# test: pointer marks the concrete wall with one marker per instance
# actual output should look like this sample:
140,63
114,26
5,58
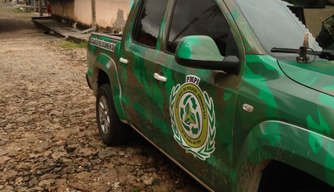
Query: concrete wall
112,13
63,9
83,11
109,13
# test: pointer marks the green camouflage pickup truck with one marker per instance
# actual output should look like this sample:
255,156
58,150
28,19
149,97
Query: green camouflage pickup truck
238,93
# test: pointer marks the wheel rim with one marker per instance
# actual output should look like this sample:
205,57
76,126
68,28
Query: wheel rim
104,115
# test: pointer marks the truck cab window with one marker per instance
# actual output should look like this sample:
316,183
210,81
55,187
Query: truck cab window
148,22
198,17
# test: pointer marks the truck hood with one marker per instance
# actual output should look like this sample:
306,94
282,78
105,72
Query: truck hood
318,75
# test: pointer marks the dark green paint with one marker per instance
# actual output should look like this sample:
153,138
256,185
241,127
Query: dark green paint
292,121
198,48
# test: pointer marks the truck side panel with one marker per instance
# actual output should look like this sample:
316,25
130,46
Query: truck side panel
102,58
285,142
304,141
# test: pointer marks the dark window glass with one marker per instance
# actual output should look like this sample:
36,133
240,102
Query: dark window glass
198,17
148,22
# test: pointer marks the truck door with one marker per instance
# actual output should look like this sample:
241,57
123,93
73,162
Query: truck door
196,107
137,61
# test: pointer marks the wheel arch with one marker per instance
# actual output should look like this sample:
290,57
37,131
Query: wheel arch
105,71
292,145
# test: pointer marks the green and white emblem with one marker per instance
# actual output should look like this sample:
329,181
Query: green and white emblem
193,118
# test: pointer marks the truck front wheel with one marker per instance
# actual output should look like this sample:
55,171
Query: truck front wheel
111,129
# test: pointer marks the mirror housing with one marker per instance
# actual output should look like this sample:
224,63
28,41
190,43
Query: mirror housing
199,51
325,37
310,4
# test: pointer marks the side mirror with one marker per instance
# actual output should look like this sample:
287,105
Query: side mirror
309,4
325,37
202,52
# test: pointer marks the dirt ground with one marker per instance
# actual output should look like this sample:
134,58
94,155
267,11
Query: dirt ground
48,133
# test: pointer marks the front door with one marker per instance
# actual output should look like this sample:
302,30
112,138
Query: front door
137,62
196,107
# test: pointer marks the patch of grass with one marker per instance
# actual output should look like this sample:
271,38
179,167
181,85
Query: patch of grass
135,190
17,11
9,10
103,145
155,181
73,45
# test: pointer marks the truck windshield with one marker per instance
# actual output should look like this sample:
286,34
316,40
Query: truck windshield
279,23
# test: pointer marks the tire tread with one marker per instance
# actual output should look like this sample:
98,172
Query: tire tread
118,130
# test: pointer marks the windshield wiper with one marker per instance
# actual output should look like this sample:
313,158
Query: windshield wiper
322,54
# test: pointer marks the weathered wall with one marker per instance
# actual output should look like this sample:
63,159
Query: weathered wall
83,11
109,13
112,13
63,8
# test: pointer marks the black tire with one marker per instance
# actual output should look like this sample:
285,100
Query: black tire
117,131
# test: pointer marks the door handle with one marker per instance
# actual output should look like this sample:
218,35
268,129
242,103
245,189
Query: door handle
123,60
159,77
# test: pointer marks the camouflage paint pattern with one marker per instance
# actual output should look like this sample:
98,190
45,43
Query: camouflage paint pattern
101,59
291,122
198,48
293,104
318,75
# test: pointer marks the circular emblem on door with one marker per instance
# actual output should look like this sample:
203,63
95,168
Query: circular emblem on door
193,118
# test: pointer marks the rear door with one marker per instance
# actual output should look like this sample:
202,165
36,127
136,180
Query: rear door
195,109
137,61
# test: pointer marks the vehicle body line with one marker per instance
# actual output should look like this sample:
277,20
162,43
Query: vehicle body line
118,81
237,35
162,151
94,67
299,127
107,35
294,80
168,21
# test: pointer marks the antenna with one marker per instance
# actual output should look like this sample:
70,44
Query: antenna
303,58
